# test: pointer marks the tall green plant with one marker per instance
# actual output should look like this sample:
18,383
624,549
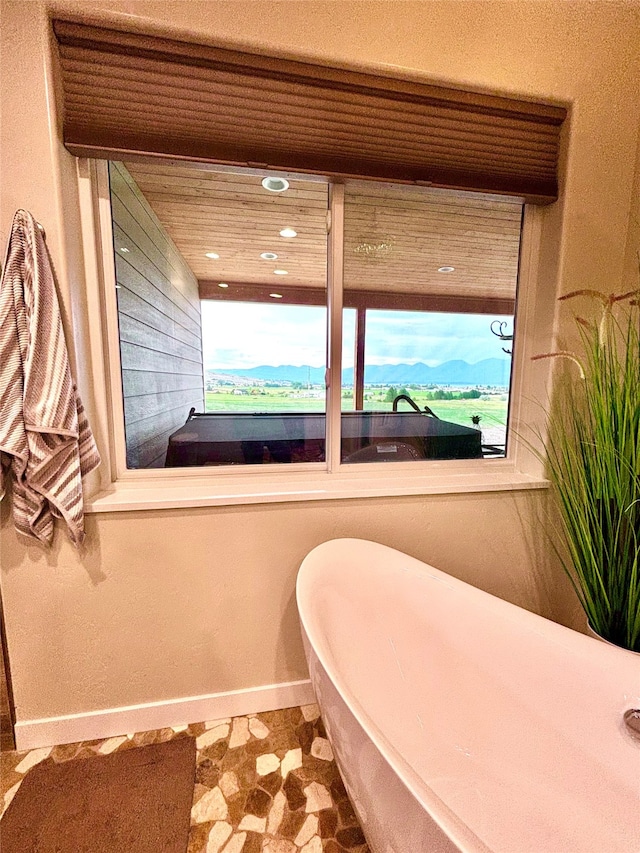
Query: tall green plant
592,451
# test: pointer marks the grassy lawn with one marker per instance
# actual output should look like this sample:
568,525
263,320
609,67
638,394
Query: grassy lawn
492,411
274,400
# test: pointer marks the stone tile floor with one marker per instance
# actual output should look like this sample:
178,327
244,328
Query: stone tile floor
265,783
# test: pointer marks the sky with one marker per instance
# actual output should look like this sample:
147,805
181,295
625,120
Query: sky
247,334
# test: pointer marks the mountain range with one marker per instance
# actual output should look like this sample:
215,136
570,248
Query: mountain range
489,371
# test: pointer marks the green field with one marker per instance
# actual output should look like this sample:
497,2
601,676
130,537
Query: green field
492,408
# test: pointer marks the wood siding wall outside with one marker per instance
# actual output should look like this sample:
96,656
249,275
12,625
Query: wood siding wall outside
159,322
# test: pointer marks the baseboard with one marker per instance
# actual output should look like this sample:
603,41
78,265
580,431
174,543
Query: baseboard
94,725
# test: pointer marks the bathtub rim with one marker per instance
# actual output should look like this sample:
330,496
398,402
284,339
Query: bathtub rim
448,821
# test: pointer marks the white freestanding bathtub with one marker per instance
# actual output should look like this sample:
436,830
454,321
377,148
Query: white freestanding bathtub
461,722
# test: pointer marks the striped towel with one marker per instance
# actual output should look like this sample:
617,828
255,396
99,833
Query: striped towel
46,444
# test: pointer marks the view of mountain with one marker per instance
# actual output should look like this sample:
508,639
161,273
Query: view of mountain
490,371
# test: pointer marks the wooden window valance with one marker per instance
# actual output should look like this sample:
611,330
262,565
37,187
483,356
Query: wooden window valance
127,94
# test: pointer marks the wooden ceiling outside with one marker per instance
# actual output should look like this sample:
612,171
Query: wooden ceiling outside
234,216
396,237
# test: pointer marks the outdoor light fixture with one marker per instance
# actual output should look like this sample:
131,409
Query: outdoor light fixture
446,269
375,250
275,295
269,256
280,272
222,284
213,255
275,185
288,232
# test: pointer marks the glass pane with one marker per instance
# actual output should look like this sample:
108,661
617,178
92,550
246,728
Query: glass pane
431,278
264,382
221,287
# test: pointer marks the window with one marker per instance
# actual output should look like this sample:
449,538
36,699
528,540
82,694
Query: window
428,272
137,97
221,279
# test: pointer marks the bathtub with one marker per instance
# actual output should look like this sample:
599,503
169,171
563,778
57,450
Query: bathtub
461,722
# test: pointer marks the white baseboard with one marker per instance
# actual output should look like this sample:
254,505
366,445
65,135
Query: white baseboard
94,725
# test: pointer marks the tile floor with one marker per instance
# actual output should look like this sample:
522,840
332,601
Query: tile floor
265,783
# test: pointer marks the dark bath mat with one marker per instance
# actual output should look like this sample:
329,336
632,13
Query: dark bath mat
135,801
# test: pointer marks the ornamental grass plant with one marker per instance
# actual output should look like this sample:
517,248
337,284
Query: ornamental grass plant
592,454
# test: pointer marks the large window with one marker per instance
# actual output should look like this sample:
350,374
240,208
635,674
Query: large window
227,286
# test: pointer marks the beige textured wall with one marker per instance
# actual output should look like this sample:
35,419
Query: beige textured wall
177,603
182,603
632,255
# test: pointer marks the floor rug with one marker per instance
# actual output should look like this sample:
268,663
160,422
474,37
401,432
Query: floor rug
133,801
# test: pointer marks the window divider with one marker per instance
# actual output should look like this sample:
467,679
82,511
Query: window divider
335,269
358,360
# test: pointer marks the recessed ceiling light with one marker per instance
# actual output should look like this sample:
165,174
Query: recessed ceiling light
446,269
288,232
280,272
275,185
222,284
275,295
269,256
124,249
213,255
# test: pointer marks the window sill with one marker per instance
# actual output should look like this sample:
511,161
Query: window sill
155,493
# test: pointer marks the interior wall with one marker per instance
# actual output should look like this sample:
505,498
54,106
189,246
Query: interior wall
159,325
191,602
164,604
7,742
631,276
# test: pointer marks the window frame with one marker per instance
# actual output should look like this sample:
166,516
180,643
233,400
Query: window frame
130,489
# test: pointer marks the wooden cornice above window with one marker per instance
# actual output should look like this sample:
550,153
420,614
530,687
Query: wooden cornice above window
127,93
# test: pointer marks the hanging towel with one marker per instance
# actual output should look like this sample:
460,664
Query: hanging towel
46,444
